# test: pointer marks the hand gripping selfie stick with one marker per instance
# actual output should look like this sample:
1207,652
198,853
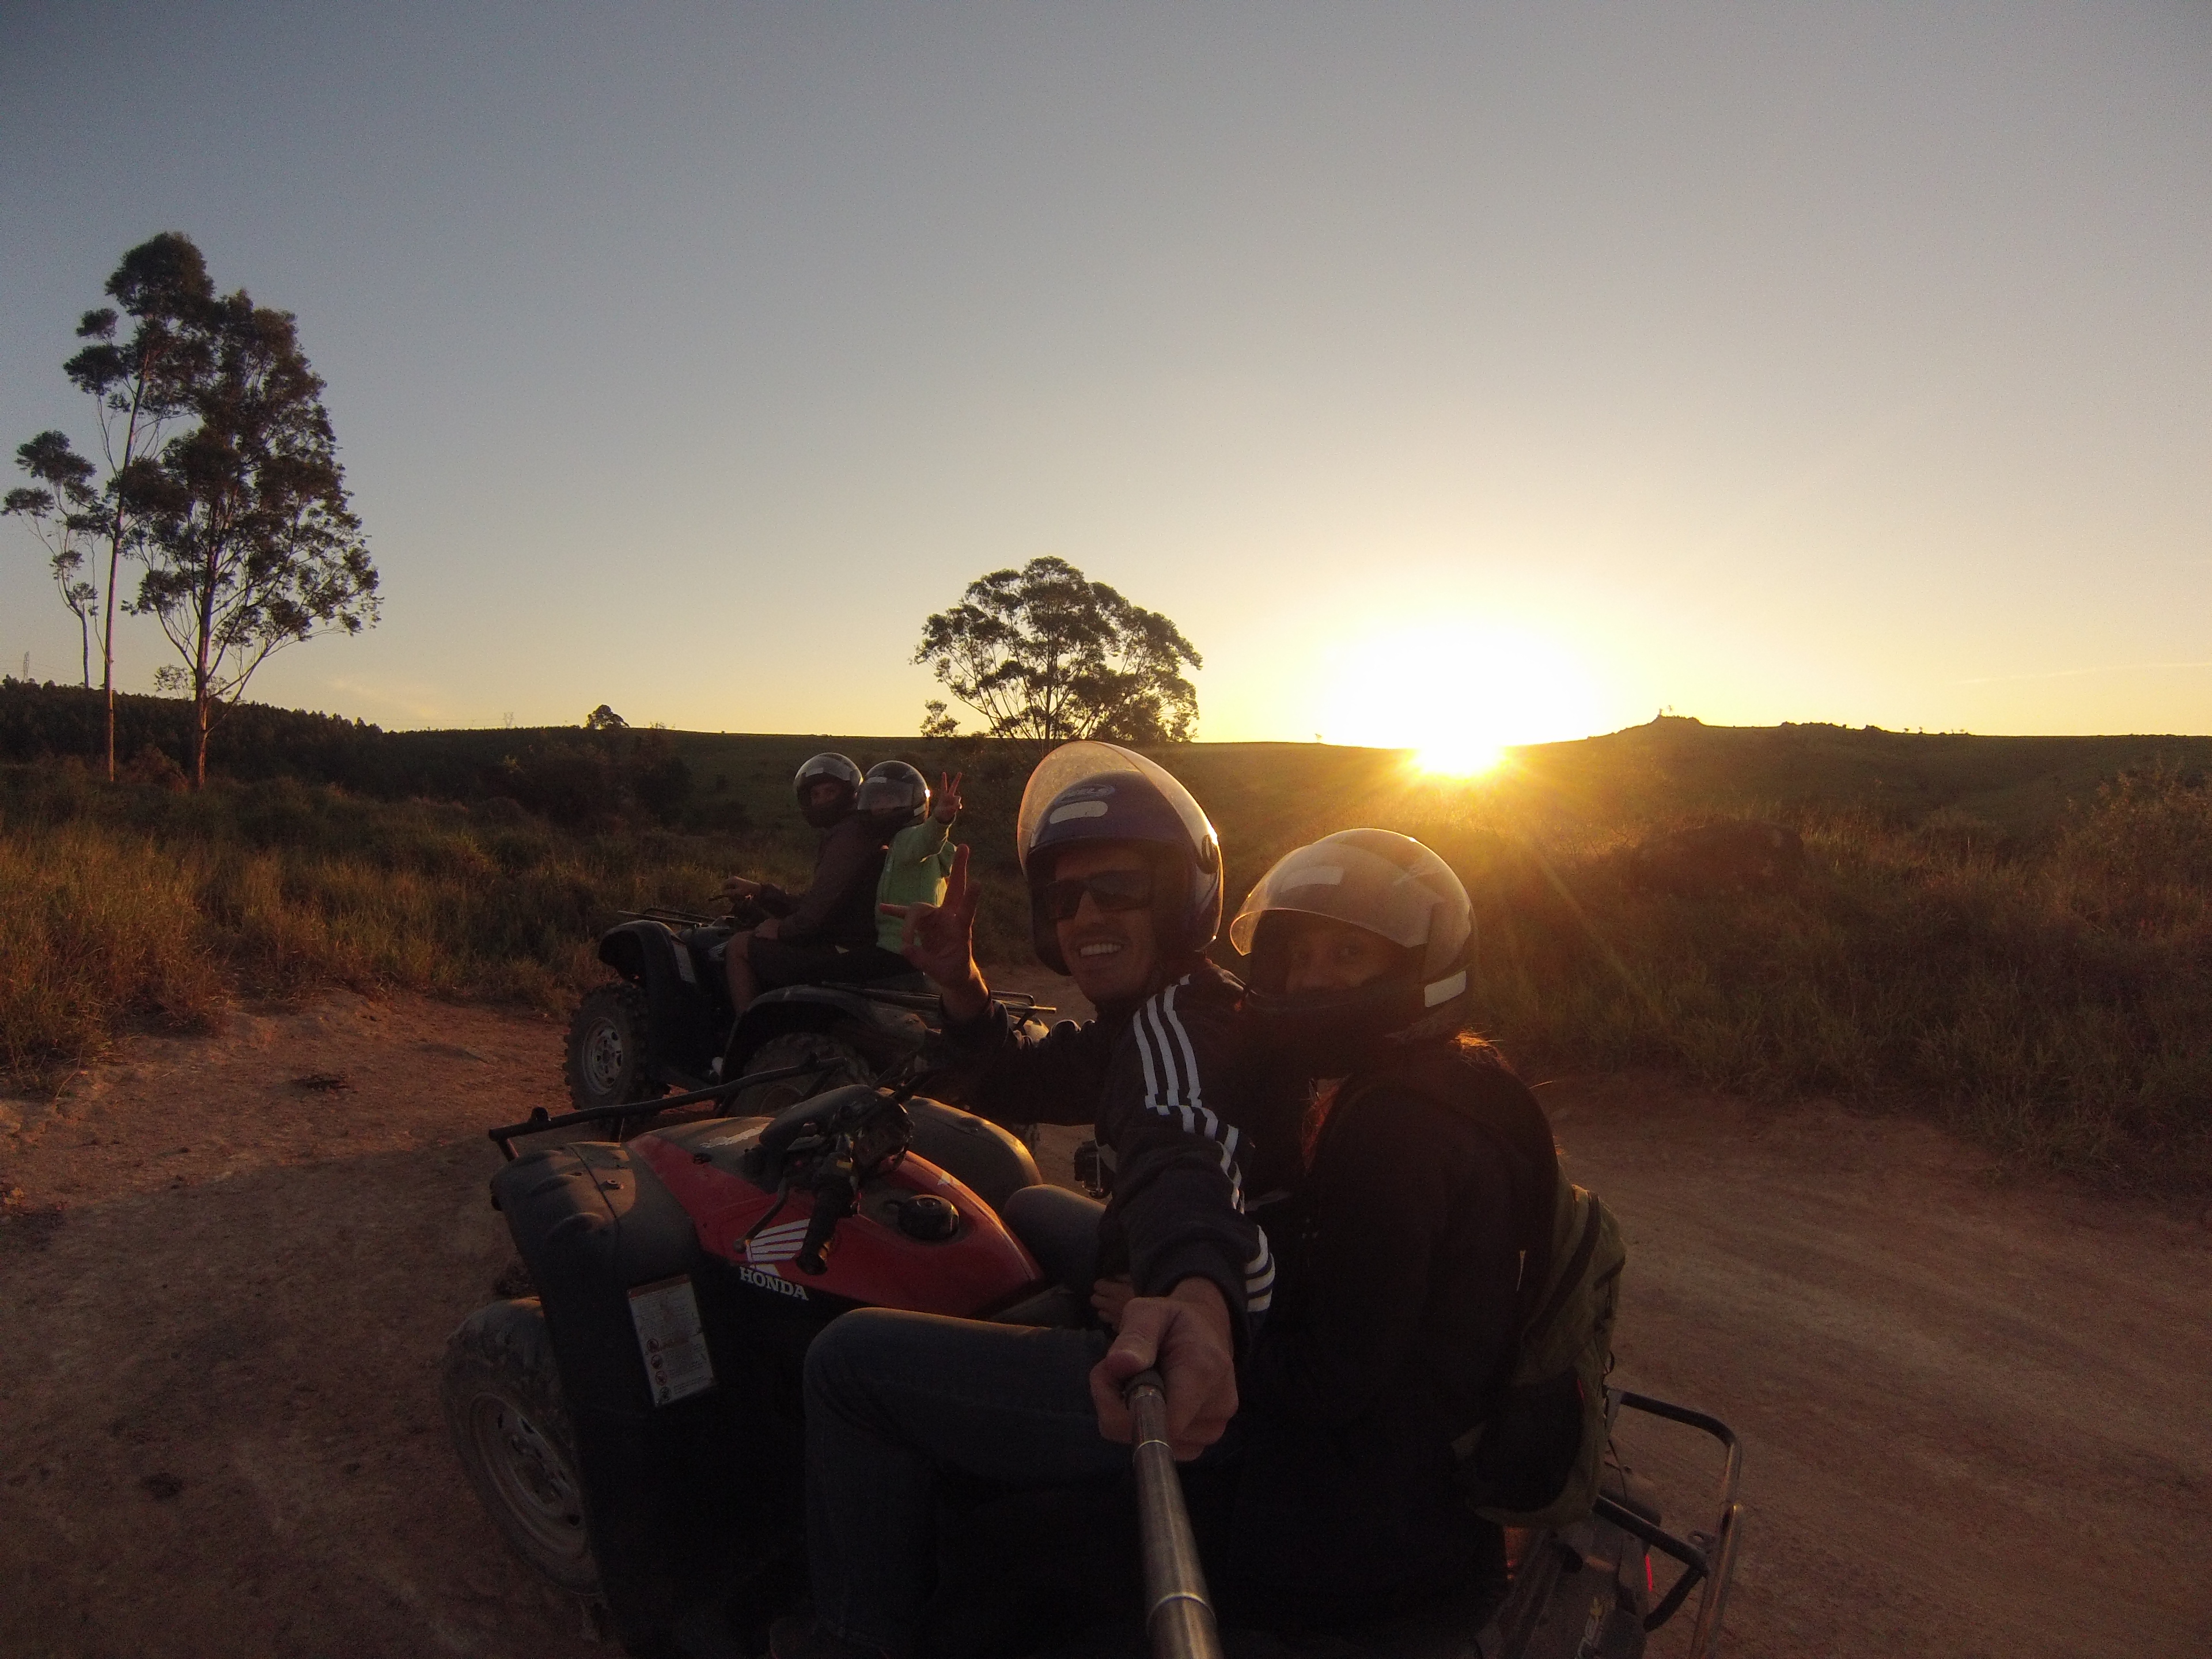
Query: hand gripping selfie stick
1178,1617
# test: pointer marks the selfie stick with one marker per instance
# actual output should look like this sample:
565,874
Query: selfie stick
1178,1617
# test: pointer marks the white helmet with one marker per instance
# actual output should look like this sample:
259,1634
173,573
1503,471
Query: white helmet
1387,884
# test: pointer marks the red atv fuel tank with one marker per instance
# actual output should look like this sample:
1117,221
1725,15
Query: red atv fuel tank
888,1252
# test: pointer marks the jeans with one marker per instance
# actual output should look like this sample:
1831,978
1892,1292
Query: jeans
1061,1230
897,1401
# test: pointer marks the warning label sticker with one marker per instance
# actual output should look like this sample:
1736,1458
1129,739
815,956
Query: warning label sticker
670,1336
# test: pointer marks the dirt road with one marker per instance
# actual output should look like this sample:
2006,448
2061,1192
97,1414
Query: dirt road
1978,1414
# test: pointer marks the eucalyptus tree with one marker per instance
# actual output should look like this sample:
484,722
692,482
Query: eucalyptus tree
249,540
63,512
141,380
1047,655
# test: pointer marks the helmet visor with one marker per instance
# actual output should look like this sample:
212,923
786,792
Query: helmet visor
1409,903
1076,763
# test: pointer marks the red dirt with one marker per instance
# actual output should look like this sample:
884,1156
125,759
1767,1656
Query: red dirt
1978,1411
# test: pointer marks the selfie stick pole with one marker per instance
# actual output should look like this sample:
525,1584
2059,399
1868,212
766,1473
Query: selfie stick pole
1178,1617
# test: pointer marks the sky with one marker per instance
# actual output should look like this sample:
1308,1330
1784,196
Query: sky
1515,371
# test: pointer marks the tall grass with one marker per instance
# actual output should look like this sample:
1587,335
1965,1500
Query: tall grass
2051,997
2049,992
119,904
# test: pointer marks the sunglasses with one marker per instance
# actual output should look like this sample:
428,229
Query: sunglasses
1109,889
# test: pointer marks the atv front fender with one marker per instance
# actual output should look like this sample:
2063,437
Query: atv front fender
679,1010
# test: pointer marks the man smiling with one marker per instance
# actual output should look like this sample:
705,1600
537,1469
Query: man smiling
1124,875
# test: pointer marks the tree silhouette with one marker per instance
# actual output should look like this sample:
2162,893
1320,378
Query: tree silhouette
247,535
63,512
1046,655
138,383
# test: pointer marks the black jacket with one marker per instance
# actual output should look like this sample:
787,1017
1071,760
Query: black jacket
1173,1089
839,906
1402,1257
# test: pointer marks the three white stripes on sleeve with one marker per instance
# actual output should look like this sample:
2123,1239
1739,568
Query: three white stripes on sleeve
1173,1089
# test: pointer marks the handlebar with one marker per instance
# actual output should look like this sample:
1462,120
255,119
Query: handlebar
834,1196
1178,1614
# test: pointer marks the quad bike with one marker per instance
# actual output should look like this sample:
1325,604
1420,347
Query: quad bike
667,1022
633,1428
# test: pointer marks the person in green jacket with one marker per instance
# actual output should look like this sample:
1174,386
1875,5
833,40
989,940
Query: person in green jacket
896,797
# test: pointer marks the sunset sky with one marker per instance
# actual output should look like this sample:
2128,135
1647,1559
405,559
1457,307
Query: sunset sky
1533,366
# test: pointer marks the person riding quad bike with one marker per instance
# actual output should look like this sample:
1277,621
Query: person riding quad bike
1415,1233
698,997
829,932
919,861
1124,874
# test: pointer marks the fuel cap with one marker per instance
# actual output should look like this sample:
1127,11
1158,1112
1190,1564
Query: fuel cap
928,1218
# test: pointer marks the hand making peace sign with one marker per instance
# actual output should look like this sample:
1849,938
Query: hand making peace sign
940,941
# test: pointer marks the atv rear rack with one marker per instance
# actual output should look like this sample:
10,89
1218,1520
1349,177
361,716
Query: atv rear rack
1706,1558
541,1120
921,1001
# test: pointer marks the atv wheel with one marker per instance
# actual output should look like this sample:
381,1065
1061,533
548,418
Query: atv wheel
608,1048
503,1398
795,1049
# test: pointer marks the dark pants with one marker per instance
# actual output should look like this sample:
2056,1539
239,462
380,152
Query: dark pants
897,1403
1061,1230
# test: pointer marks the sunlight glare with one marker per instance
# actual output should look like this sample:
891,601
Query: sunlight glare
1458,759
1457,693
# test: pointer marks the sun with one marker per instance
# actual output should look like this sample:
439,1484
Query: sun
1457,692
1468,759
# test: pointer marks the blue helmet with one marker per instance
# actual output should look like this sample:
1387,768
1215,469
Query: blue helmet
1093,792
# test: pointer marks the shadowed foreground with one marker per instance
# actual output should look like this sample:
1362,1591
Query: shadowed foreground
1979,1416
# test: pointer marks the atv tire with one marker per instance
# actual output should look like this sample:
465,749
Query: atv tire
608,1047
501,1393
795,1049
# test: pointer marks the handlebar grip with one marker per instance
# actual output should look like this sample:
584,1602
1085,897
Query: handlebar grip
833,1202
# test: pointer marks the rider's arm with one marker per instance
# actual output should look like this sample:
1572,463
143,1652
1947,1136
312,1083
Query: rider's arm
1012,1076
1177,1077
1412,1202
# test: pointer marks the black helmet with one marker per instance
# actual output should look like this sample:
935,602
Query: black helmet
895,795
1090,792
1390,885
833,769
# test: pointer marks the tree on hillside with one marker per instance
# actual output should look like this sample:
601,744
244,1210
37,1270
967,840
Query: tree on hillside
62,510
1046,655
139,383
604,719
247,538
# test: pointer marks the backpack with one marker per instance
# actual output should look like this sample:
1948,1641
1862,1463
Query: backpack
1534,1460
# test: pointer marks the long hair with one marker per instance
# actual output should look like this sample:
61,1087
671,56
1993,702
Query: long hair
1326,1092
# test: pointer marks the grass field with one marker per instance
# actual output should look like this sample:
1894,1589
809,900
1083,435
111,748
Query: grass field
2013,933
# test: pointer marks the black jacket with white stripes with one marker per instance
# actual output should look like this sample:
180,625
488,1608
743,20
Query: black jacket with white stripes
1174,1088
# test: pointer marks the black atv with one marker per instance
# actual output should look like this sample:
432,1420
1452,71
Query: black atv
666,1023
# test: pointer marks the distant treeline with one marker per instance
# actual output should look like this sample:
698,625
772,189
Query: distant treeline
576,777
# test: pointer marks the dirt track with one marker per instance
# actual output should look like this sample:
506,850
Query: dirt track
1978,1414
